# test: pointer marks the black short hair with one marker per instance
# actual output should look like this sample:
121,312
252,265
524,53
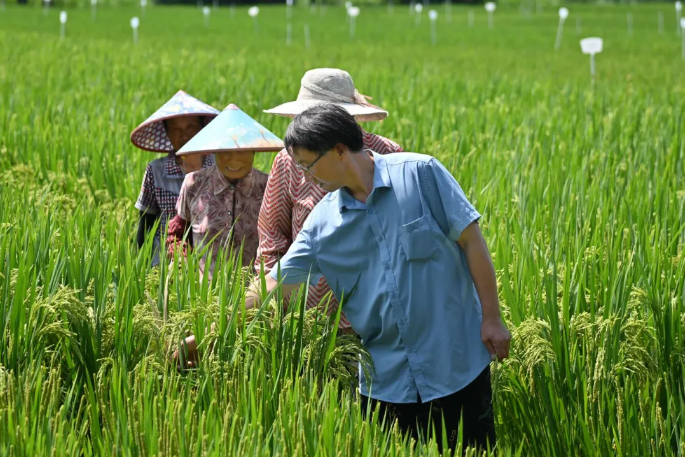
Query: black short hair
319,128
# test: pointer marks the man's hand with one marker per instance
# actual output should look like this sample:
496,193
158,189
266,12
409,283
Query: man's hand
187,355
496,338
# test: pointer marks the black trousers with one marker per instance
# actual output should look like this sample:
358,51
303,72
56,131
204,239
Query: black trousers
474,402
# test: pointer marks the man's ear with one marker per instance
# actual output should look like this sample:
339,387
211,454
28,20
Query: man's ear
340,149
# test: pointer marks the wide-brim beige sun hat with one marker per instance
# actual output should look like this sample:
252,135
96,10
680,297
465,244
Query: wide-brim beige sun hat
151,134
330,85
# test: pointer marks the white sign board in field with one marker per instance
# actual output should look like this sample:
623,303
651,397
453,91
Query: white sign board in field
592,46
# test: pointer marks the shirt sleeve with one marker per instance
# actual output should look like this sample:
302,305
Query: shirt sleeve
147,202
276,214
299,265
183,202
448,204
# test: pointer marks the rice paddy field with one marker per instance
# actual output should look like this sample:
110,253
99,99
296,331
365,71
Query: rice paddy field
581,186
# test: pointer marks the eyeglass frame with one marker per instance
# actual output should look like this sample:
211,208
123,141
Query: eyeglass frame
308,168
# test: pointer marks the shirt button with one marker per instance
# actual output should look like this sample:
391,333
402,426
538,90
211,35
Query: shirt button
380,238
402,323
229,213
394,295
410,349
370,211
387,266
232,188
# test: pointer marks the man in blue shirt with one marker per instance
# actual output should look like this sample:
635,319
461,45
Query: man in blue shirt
400,246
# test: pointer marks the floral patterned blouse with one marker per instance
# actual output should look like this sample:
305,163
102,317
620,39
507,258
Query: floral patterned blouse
222,213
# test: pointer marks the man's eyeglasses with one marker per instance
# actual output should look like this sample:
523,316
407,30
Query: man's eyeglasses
308,168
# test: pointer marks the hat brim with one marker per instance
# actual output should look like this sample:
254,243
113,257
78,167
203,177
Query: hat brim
232,130
214,151
149,129
361,113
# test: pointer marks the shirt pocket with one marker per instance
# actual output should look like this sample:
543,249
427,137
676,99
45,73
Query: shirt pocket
418,240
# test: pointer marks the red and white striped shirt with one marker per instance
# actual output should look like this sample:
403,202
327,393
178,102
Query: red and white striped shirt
288,200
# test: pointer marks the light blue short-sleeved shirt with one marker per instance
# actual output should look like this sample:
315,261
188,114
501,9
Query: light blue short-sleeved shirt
403,280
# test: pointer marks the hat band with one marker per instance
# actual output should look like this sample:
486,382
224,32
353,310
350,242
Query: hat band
316,93
313,92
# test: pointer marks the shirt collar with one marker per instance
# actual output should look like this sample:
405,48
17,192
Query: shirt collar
172,168
381,178
220,183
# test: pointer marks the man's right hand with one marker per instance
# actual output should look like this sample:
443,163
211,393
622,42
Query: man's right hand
187,355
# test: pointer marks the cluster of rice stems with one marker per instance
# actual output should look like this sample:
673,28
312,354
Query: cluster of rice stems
581,187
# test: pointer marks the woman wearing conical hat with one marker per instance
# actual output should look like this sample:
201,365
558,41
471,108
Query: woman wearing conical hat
167,131
292,192
220,204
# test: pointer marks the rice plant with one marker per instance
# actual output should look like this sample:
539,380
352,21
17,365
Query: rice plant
581,187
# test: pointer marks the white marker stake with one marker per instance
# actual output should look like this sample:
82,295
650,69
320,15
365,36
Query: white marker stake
660,21
306,36
682,34
63,23
93,9
471,18
678,10
412,6
288,9
391,7
205,12
578,25
433,15
254,12
418,9
135,22
353,12
490,8
232,9
563,14
143,5
288,34
46,7
215,4
448,10
2,5
629,20
591,46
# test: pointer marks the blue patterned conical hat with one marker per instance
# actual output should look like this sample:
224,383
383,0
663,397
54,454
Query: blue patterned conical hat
232,130
151,134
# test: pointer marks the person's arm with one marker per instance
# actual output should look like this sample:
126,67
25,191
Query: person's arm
147,205
494,333
458,220
180,223
298,266
178,228
145,223
252,298
275,215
